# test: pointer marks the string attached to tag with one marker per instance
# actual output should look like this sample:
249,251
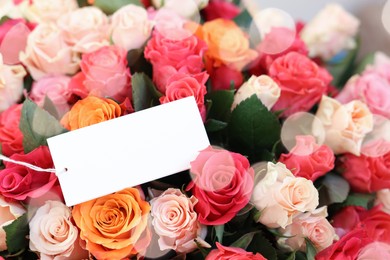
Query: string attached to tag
31,166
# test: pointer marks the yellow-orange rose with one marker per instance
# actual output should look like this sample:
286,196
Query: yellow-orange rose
90,110
227,44
114,226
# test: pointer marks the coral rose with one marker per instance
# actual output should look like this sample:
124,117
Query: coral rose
226,253
9,211
11,138
114,226
90,110
222,183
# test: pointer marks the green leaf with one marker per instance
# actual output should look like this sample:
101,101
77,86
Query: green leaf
369,59
37,125
142,96
360,199
16,234
109,7
291,256
49,106
4,19
244,241
219,229
252,127
82,3
213,125
244,19
334,189
261,245
310,250
202,250
221,103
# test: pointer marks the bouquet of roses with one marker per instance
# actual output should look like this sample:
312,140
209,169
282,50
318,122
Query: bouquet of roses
299,166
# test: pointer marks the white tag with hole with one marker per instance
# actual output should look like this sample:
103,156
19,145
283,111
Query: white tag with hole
128,151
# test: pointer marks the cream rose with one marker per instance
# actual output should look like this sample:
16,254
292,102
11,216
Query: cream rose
331,31
266,89
11,84
47,53
86,29
52,232
130,27
176,222
184,8
345,125
312,225
279,195
9,211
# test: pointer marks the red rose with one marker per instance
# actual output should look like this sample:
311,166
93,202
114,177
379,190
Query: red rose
104,73
367,174
174,54
347,219
308,159
11,138
182,85
220,9
377,224
19,182
301,80
223,77
227,253
222,183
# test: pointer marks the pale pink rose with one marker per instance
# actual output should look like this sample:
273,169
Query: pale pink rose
332,30
279,195
383,198
381,65
56,88
85,29
312,225
345,125
184,8
52,232
9,211
130,27
175,221
11,84
375,250
48,54
264,87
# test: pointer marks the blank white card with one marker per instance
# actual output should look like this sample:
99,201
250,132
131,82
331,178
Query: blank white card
128,151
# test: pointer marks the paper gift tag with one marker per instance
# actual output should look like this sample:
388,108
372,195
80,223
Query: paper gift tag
128,151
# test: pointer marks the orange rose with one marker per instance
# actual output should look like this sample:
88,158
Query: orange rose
90,110
114,226
227,44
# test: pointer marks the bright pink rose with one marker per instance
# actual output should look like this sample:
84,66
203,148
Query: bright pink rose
220,9
11,138
367,174
302,82
308,159
56,88
228,253
169,56
181,85
20,183
377,224
222,183
104,72
223,77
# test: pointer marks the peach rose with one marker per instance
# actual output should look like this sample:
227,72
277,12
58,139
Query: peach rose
90,110
11,84
48,54
311,225
265,88
279,195
176,222
85,29
227,44
114,226
345,125
130,27
9,211
374,250
52,232
331,31
383,198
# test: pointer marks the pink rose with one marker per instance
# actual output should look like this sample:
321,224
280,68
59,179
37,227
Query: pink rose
11,138
311,225
104,72
48,54
302,82
375,250
20,183
220,9
308,159
56,88
227,253
176,222
223,77
170,56
383,199
222,183
182,85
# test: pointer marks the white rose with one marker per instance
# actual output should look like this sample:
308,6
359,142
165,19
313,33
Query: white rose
266,89
130,27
